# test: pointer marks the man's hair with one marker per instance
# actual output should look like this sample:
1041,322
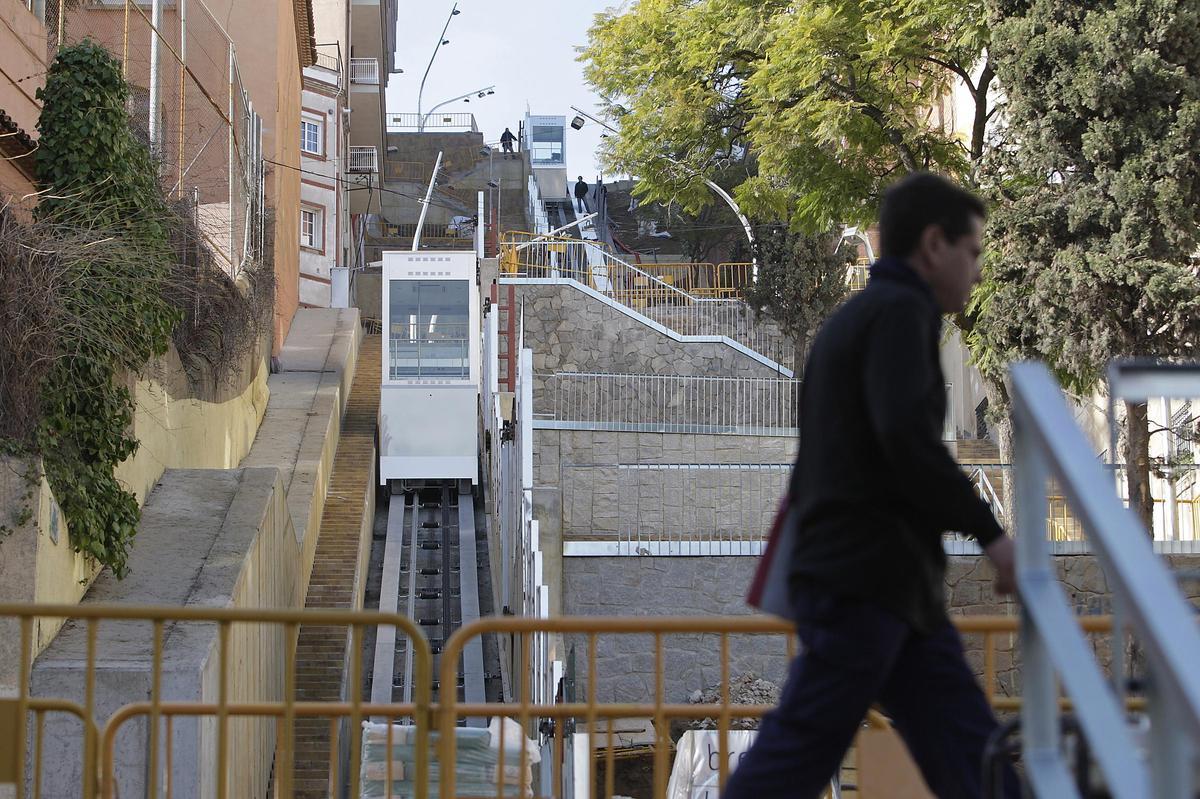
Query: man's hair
918,201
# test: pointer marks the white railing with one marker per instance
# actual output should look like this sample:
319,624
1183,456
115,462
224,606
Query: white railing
668,403
1049,445
987,492
364,70
362,160
509,462
592,264
671,508
536,210
464,122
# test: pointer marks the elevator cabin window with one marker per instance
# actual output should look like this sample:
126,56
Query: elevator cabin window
546,144
429,322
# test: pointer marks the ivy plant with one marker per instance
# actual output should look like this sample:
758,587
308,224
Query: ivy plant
96,173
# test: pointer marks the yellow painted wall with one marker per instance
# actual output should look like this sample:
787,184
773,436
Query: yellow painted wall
174,433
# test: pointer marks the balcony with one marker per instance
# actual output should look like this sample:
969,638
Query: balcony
364,71
329,56
363,161
328,66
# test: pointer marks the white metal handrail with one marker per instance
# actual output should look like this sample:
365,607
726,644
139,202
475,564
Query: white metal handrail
690,506
592,264
408,121
537,211
364,70
1048,444
987,492
669,403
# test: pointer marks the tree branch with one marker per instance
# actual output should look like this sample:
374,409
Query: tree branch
957,70
876,115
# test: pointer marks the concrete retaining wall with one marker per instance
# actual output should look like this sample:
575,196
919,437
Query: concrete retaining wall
176,430
213,538
301,428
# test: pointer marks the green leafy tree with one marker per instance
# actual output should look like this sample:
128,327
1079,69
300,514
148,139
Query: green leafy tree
834,100
801,279
98,177
1097,204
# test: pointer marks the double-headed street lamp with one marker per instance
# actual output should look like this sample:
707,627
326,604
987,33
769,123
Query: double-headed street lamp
442,40
479,93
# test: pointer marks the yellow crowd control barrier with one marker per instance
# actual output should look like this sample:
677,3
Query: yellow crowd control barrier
432,731
228,774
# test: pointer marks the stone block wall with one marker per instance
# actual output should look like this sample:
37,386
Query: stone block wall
649,586
653,586
572,331
600,494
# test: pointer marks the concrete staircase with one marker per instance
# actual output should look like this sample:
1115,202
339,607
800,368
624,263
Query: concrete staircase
339,572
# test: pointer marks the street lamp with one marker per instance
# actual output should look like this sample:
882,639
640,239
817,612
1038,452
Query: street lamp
442,40
720,192
484,92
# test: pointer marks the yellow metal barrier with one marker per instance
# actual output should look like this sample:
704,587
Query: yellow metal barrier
857,274
450,712
98,767
530,706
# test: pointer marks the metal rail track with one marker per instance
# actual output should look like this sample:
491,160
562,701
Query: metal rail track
430,574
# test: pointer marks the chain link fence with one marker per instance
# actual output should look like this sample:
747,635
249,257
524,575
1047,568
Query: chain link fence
187,103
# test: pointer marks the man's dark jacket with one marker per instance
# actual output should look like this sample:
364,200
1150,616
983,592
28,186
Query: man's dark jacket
581,189
874,486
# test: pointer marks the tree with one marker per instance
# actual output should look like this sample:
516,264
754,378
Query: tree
801,279
1098,200
835,100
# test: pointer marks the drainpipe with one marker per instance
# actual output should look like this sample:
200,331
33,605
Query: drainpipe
156,25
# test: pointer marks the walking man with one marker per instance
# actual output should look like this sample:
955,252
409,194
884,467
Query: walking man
581,193
506,142
873,490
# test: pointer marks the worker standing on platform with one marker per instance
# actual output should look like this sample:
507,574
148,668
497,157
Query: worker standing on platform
506,141
873,491
581,193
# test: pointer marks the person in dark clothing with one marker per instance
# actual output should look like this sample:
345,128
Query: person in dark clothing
581,193
506,141
873,491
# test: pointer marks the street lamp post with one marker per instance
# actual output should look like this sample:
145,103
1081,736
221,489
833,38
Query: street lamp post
442,40
720,192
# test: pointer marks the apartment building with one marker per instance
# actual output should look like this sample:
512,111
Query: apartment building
372,62
324,134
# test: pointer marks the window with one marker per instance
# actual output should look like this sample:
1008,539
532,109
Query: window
311,136
429,322
311,225
546,144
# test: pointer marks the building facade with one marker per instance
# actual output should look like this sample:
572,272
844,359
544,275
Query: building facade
323,217
22,72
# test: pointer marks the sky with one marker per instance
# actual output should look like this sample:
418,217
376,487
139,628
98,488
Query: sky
525,47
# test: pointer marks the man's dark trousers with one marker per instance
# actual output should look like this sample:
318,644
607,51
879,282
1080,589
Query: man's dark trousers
855,654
